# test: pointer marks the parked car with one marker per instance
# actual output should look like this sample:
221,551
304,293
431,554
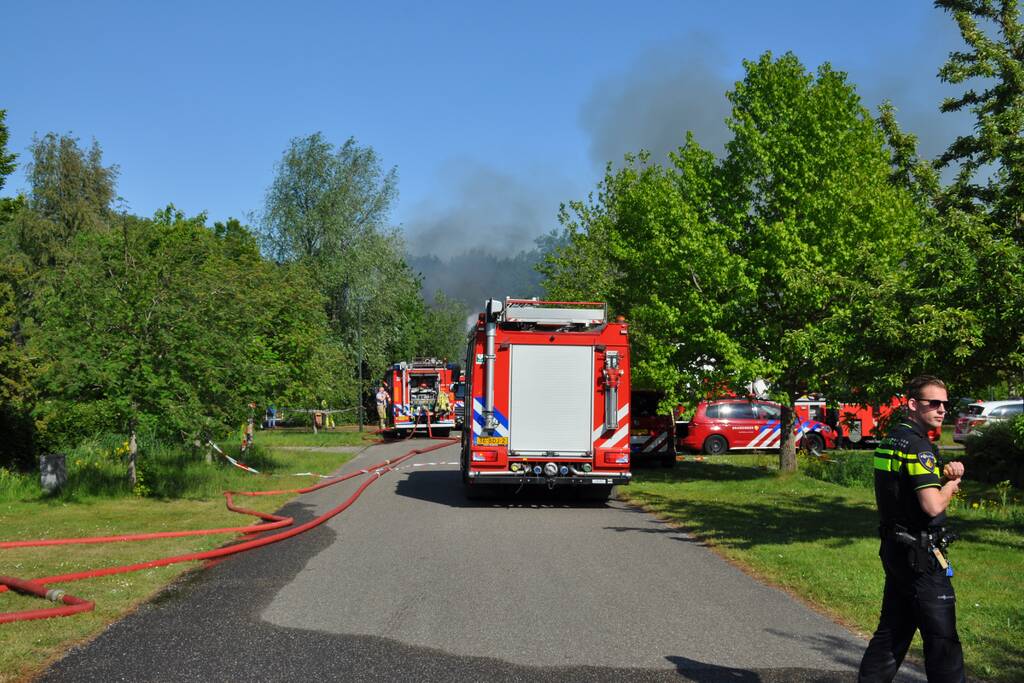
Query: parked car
978,414
742,424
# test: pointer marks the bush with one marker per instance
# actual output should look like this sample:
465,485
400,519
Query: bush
846,468
997,453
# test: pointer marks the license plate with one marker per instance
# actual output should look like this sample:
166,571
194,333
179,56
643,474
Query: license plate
598,481
492,440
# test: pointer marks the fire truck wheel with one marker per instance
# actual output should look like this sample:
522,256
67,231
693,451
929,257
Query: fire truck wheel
813,444
442,433
715,445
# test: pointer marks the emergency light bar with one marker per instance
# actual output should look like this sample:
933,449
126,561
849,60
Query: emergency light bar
554,313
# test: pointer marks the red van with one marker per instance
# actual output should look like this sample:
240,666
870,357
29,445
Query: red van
745,424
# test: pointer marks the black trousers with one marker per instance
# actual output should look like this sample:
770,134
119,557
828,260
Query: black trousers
914,600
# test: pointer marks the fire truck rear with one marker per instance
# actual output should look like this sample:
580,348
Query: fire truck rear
417,403
547,397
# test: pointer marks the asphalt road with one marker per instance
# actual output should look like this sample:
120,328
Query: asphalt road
414,582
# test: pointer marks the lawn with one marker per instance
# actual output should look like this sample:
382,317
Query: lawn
198,503
818,540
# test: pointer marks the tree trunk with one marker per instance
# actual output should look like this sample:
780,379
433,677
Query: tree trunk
787,449
133,451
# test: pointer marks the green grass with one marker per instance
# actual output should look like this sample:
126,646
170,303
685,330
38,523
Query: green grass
818,540
342,437
100,504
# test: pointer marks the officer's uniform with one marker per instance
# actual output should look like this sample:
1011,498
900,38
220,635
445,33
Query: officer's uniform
918,593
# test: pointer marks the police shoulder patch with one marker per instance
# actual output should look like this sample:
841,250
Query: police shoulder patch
927,460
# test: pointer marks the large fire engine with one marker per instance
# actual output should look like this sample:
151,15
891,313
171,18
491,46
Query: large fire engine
547,397
415,387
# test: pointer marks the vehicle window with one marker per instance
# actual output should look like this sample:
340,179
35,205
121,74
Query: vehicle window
997,412
460,391
714,410
769,412
738,411
974,411
1014,409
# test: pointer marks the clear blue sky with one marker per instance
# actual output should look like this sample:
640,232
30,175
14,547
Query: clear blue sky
493,113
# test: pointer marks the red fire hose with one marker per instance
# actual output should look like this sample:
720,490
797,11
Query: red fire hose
73,605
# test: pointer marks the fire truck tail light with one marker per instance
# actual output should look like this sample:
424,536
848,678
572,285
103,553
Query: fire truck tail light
485,456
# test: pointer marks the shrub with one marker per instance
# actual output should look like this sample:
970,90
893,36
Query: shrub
997,453
846,468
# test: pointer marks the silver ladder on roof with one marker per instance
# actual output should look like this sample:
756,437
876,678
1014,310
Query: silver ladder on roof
554,313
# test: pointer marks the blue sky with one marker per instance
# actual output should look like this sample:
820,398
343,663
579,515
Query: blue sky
493,113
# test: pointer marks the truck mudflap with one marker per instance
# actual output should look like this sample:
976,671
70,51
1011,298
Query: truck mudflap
592,479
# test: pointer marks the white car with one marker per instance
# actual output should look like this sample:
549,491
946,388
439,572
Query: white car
978,414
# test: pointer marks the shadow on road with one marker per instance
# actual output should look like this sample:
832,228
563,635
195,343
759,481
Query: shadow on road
444,487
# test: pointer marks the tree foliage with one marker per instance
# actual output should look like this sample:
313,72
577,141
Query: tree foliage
983,209
787,260
6,160
327,210
173,325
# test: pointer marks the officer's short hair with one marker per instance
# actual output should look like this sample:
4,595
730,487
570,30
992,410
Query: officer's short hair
916,386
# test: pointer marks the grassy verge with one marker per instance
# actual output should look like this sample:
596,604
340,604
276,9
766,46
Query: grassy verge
340,437
818,540
91,511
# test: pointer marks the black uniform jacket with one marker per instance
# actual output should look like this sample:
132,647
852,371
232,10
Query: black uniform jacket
905,461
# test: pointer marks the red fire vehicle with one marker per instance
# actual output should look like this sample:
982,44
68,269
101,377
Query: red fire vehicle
746,424
414,389
856,425
652,434
547,397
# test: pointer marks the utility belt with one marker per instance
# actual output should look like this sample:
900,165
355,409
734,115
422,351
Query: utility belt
925,548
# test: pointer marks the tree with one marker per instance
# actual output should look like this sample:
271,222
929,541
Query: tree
174,326
6,160
787,260
444,330
71,192
327,209
995,37
983,209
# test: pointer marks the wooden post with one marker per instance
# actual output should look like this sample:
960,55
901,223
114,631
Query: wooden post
133,451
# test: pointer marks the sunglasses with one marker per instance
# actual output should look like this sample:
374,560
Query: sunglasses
933,403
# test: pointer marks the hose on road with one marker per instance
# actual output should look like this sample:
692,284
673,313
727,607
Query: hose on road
73,605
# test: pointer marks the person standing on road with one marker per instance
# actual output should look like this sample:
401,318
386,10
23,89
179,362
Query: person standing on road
912,498
383,398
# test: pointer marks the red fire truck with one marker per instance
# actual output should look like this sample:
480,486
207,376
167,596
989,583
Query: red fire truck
547,397
652,434
414,388
857,425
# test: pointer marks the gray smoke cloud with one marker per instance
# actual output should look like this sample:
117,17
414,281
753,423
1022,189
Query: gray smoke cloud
682,87
486,209
652,105
480,241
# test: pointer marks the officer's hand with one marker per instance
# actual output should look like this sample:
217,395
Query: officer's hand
953,470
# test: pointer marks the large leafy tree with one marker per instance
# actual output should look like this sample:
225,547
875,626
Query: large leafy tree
983,209
785,261
327,209
174,326
71,192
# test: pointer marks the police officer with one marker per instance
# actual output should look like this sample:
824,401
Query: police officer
912,497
